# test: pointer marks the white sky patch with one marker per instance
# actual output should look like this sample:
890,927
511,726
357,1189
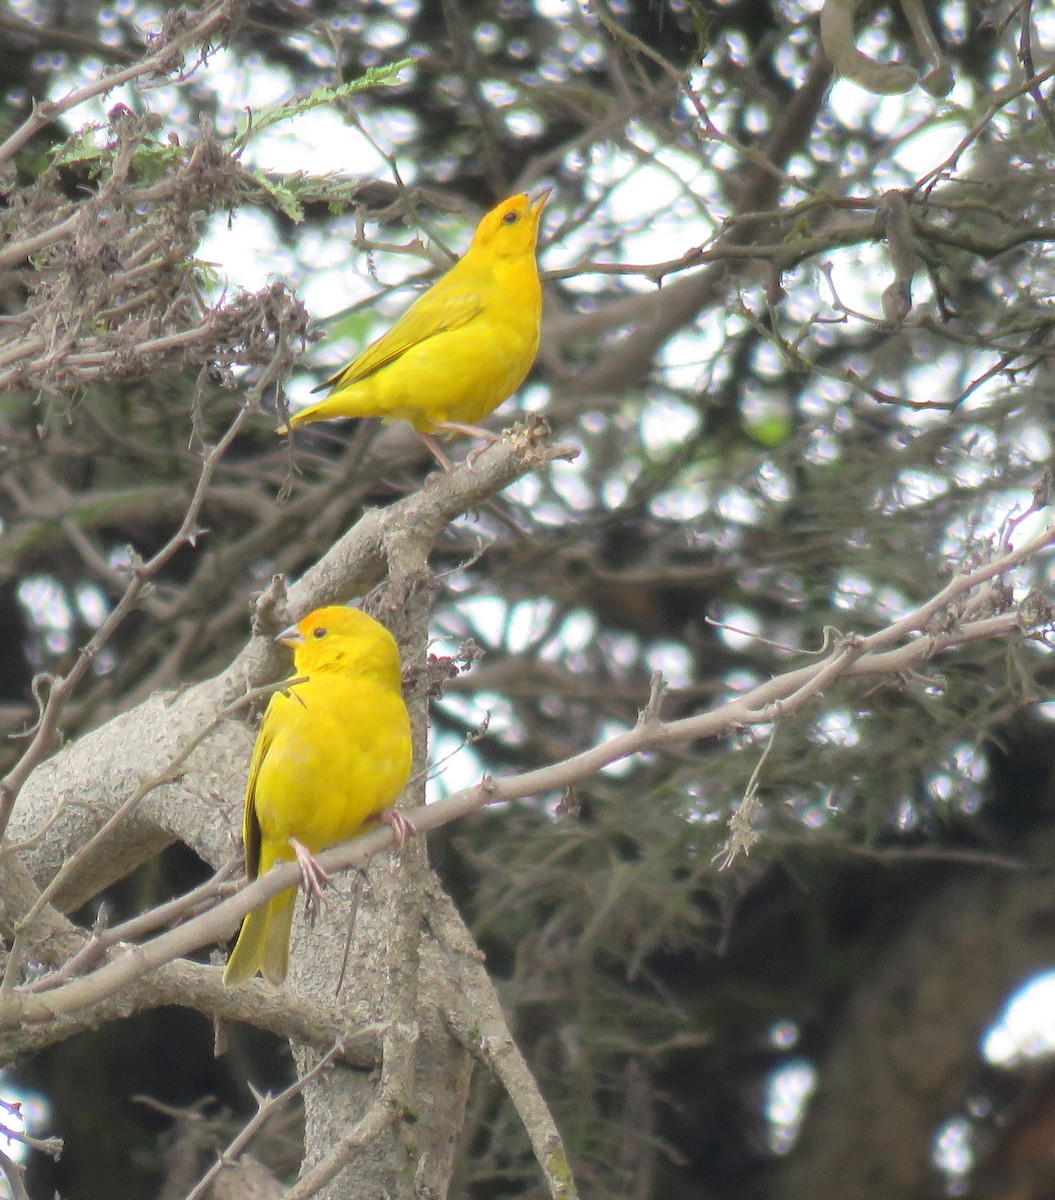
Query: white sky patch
673,660
953,1148
1034,444
485,614
890,603
526,622
503,722
555,10
686,358
45,602
815,814
455,766
963,534
930,143
970,762
773,483
534,397
29,1117
836,728
737,629
577,631
822,447
616,486
244,250
523,122
524,491
622,648
737,682
736,505
92,604
566,480
335,281
941,787
622,767
851,590
858,274
787,1095
687,502
914,487
1025,1029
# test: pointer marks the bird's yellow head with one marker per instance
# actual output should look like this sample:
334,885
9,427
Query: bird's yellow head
342,639
510,230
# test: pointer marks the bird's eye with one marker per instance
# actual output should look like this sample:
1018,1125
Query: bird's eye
318,632
510,218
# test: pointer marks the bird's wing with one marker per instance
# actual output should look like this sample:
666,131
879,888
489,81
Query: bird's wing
250,821
437,311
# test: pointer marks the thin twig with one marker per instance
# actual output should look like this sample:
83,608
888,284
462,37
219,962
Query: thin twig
64,688
265,1106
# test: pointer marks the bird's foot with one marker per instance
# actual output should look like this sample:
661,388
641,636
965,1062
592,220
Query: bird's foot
474,431
313,879
402,826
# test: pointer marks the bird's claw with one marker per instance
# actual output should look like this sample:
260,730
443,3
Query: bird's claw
402,826
313,879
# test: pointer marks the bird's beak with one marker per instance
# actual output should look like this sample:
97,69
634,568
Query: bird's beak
290,637
539,202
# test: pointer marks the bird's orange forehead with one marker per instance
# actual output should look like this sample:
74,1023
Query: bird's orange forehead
518,204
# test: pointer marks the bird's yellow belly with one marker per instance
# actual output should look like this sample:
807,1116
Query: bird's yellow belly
324,788
461,375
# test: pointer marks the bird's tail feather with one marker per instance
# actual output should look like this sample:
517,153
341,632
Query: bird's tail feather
263,942
321,410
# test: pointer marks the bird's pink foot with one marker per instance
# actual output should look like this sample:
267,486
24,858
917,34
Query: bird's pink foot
474,431
402,826
313,879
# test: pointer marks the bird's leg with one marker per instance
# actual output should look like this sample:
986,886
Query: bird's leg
474,431
435,451
312,877
485,435
402,826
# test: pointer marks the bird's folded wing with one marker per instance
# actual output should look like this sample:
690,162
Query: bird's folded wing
431,314
250,822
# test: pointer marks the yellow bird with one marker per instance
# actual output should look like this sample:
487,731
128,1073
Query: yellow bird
461,348
332,755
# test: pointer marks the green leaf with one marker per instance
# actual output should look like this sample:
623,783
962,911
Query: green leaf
272,114
773,429
281,195
81,147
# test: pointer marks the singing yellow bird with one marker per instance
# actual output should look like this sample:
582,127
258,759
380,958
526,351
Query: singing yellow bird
461,348
332,755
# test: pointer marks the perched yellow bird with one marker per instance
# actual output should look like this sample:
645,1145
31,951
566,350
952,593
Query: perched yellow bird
332,754
462,347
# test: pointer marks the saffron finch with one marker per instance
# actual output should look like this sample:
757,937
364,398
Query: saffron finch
462,347
332,754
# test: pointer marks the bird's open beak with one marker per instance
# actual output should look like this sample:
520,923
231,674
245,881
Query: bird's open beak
539,202
290,637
